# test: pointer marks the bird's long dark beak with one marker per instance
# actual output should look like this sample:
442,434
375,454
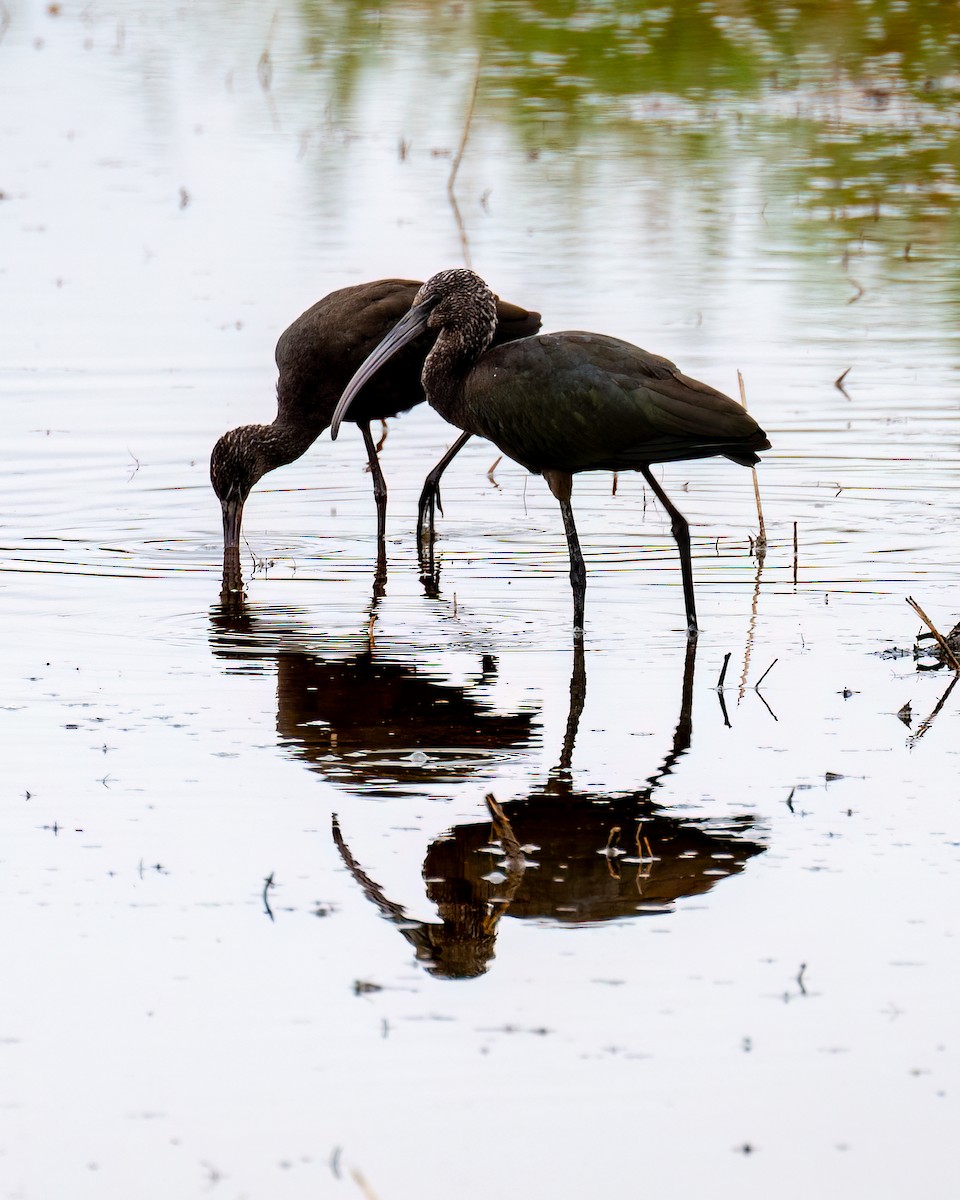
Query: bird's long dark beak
404,332
232,516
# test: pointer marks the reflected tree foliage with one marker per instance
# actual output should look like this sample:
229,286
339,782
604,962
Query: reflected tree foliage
850,107
570,59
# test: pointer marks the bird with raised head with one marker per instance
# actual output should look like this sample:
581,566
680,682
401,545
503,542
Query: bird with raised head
561,403
316,356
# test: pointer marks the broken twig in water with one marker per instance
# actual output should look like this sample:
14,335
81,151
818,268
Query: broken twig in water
723,671
796,553
948,653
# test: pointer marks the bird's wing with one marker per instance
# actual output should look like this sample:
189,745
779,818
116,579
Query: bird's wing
579,401
514,322
319,352
346,324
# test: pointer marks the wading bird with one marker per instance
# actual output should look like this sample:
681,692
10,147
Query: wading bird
316,357
561,403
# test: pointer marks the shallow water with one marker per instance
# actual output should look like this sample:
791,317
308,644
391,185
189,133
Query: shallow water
257,940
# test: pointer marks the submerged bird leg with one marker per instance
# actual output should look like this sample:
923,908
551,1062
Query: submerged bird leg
681,534
380,497
561,484
430,496
379,483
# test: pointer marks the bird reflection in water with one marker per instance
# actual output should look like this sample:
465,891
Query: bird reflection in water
565,856
364,719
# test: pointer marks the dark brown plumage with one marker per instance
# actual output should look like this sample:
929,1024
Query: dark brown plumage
316,357
565,402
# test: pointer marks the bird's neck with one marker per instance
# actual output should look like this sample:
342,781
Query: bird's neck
445,372
279,443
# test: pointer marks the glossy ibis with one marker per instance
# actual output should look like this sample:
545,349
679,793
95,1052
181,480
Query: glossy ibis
561,403
316,357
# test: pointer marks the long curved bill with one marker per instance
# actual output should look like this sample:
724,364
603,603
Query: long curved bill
232,516
404,332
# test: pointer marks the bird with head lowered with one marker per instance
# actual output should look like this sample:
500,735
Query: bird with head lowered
316,356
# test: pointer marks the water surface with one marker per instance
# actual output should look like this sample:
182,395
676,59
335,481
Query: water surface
258,942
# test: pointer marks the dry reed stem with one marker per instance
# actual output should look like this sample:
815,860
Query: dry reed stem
944,645
455,166
762,534
362,1184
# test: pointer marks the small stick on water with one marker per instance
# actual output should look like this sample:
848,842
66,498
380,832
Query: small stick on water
838,382
723,671
613,490
761,544
756,686
493,466
796,554
267,885
948,654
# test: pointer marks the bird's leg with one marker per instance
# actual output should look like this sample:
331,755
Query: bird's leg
380,498
430,496
379,483
681,534
561,484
